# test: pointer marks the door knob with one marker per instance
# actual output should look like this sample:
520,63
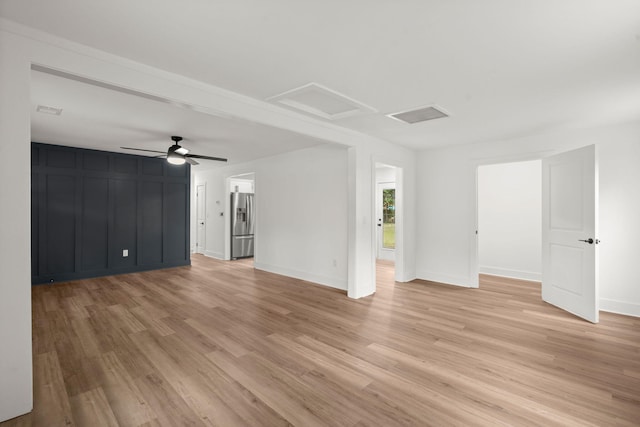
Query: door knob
590,241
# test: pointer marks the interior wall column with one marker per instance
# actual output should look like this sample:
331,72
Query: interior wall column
15,232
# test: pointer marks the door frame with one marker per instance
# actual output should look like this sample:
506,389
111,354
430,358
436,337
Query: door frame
380,249
227,209
524,275
400,219
474,259
474,267
201,246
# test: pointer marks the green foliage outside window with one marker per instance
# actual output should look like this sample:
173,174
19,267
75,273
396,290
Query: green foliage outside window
389,218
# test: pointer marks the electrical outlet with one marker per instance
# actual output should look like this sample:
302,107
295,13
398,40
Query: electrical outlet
125,252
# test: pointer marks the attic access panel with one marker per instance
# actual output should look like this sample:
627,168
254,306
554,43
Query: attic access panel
321,101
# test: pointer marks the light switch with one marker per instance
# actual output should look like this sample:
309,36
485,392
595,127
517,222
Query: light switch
125,252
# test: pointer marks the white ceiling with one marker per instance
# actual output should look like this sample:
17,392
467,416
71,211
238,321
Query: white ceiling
106,119
501,68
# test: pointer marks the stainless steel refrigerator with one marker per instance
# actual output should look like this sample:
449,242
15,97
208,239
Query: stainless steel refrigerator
242,225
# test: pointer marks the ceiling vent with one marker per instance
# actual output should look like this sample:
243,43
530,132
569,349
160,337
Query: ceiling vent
321,101
45,109
418,115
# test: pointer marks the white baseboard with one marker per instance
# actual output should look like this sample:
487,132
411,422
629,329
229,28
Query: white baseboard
619,307
514,274
407,278
465,282
303,275
359,295
212,254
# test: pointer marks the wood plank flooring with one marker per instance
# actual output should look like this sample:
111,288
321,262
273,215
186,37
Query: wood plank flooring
221,344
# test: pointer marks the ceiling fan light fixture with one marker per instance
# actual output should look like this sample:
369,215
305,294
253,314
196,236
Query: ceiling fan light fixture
177,155
175,159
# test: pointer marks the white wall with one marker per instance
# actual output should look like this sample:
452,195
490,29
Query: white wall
385,174
446,200
620,224
302,218
510,220
301,213
15,231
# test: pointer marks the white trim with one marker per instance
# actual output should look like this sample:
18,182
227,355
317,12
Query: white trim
358,295
401,216
619,307
201,249
514,274
331,282
401,277
404,278
446,279
212,254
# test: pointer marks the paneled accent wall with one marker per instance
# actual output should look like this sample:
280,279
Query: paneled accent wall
88,206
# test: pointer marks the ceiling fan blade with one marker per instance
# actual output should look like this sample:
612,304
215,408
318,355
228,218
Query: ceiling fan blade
196,156
142,149
182,151
190,161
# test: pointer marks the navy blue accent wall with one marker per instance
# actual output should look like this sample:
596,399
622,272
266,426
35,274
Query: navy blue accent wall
87,206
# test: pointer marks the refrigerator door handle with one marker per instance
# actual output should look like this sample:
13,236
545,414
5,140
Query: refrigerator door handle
251,214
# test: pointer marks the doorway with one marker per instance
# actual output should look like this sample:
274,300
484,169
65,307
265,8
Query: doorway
201,218
386,220
510,220
241,229
568,207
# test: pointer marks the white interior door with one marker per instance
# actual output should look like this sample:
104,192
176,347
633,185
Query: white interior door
200,218
569,232
386,224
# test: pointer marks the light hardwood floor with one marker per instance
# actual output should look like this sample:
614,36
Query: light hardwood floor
219,343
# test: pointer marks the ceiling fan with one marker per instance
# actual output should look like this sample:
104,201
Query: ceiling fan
177,155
